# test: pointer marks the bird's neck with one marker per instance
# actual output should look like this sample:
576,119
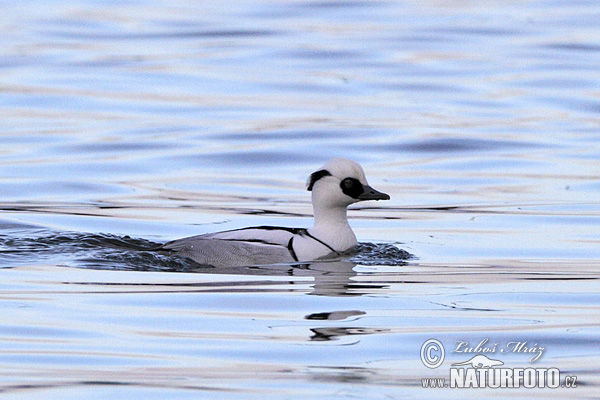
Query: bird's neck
331,225
330,217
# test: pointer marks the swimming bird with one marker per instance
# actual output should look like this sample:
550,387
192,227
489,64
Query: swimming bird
334,187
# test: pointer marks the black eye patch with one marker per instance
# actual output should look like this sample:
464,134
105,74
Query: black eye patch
315,176
352,187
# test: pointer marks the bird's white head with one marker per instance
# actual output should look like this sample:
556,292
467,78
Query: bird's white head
340,183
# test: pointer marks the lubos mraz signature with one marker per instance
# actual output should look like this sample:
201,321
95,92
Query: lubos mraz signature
510,347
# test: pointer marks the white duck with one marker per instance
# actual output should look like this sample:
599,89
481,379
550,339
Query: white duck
334,187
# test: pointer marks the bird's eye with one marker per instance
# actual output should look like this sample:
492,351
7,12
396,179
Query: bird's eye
348,183
351,187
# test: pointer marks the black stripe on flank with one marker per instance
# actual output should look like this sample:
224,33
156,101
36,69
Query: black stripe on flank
290,247
251,241
295,231
320,241
352,187
315,176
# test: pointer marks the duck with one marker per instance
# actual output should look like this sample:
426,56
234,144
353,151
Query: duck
338,184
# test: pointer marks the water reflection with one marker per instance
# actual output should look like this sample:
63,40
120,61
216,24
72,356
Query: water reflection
331,278
334,315
329,333
481,117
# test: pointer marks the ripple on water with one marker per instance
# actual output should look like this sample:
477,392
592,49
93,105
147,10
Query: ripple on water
148,118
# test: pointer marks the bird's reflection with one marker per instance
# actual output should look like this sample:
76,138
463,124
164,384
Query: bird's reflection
331,278
333,333
334,315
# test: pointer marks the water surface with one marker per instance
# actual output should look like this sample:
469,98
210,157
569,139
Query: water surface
127,124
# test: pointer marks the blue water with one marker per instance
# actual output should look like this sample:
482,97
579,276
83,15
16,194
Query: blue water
127,124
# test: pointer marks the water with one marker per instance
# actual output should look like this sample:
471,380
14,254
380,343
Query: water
127,124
